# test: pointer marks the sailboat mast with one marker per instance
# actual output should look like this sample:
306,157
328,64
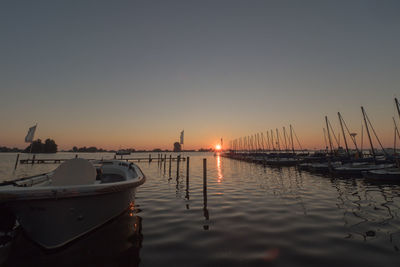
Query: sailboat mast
395,137
272,140
262,142
277,138
397,106
362,137
291,138
344,136
284,136
369,136
329,134
326,143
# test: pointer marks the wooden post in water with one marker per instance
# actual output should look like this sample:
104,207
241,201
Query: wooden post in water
33,159
165,162
187,166
205,174
205,209
177,166
170,160
76,156
16,162
187,178
149,158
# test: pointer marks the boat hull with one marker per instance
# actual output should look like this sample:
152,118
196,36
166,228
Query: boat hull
358,170
54,222
382,176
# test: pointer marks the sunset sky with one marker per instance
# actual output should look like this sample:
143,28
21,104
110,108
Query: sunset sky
118,74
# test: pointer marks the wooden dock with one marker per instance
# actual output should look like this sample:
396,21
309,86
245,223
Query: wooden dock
149,159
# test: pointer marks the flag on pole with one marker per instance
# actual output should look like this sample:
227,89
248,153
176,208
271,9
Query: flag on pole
30,135
181,137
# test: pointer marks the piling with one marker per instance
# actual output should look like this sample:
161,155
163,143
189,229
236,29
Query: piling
205,175
177,166
205,209
76,156
33,159
187,177
165,162
16,162
187,167
170,160
150,158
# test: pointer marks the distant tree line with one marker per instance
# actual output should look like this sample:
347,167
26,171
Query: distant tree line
8,149
49,146
205,149
87,149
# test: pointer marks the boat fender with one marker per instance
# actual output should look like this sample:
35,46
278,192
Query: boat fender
99,174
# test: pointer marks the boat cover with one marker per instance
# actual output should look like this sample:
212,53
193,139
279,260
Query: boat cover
75,171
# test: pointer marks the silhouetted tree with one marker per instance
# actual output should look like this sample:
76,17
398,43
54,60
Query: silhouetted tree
49,146
8,149
177,147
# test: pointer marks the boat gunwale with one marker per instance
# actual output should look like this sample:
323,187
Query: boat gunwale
15,193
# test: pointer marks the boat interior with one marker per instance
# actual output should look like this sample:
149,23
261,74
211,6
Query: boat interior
82,172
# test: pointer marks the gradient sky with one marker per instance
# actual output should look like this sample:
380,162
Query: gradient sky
135,73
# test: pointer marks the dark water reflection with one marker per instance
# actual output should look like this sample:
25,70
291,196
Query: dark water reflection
249,215
257,216
117,243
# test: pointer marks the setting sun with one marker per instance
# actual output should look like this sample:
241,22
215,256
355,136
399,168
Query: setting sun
218,147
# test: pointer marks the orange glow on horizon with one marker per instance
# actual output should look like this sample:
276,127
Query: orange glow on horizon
218,147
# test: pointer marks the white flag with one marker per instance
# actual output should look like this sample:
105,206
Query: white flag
31,133
181,138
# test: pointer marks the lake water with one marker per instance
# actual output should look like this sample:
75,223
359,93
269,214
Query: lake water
250,216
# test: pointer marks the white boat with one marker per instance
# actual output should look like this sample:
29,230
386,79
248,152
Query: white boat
77,197
324,167
282,161
383,175
358,168
122,152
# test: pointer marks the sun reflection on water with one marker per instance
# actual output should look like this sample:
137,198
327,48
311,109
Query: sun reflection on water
219,168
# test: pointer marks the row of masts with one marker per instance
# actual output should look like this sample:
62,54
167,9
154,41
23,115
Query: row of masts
330,136
268,142
276,141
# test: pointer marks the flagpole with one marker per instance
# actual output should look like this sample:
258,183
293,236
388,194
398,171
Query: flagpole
30,151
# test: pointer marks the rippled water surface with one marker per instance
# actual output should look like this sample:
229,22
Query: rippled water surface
249,215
